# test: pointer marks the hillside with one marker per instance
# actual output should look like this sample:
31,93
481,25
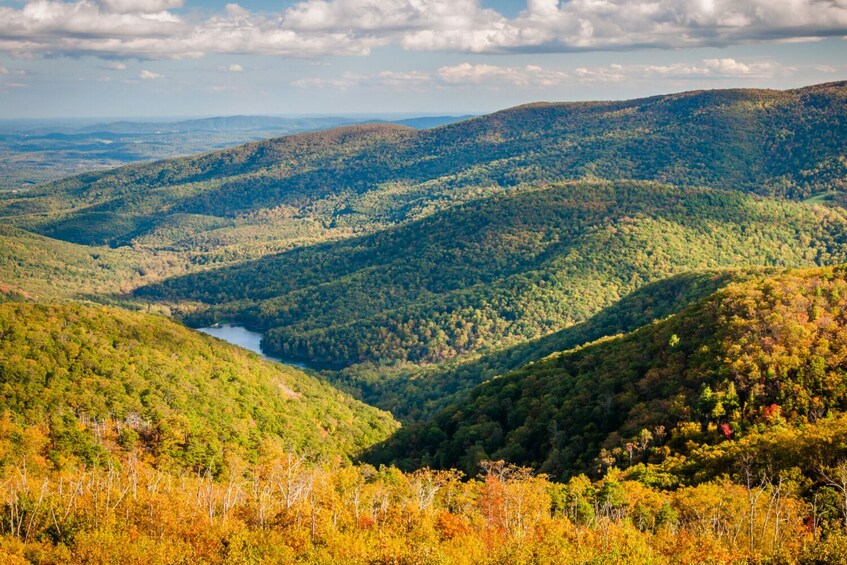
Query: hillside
501,270
755,354
89,377
785,143
614,331
44,269
415,394
33,152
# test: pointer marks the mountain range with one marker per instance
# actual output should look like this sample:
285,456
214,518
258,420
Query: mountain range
646,292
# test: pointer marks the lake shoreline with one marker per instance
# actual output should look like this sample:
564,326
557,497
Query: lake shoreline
247,339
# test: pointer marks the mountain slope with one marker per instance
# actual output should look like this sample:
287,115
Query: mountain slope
44,269
502,270
771,349
189,399
415,394
787,143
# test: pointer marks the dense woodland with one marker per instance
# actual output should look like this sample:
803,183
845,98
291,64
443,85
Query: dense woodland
289,510
125,437
614,333
414,394
195,402
497,272
782,143
768,350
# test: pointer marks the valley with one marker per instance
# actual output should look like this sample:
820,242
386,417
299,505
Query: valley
561,332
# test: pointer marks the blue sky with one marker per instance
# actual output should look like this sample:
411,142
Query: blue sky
108,58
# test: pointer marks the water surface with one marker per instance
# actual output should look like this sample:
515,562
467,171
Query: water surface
242,337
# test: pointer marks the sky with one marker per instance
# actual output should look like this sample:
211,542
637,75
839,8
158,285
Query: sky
179,58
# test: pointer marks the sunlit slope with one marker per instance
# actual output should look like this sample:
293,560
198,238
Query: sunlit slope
416,393
191,400
502,270
35,267
755,353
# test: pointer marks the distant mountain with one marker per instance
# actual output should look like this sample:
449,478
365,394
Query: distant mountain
220,124
260,124
782,143
753,355
429,122
33,152
189,399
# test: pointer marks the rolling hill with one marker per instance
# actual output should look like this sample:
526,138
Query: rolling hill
785,143
414,394
501,284
39,268
501,270
84,373
769,351
34,152
381,244
386,251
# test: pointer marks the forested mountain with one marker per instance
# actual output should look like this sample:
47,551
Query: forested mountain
414,394
661,387
769,350
33,152
149,383
382,244
786,143
501,270
39,268
738,456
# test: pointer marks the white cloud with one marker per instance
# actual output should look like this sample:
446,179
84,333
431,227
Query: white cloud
115,66
530,75
234,68
345,81
599,24
97,28
149,75
535,76
142,6
14,72
705,69
611,73
311,28
550,25
7,86
719,68
413,80
400,81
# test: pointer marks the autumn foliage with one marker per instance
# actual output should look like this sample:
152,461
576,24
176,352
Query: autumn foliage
288,509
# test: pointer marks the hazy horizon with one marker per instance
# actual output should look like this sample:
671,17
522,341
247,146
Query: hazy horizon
196,58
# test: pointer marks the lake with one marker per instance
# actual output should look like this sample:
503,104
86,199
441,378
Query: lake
242,337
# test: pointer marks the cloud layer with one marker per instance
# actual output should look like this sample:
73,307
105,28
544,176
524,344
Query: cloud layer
151,29
534,76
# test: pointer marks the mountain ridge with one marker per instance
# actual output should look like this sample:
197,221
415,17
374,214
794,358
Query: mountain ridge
733,139
712,372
